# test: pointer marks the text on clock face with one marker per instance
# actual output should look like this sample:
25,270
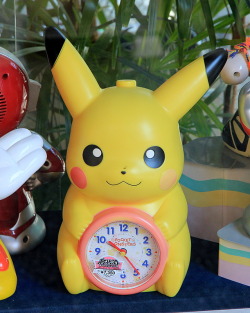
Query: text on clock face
122,253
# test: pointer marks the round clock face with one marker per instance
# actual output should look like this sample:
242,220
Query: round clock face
123,257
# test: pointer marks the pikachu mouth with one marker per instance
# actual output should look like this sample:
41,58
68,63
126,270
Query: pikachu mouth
123,181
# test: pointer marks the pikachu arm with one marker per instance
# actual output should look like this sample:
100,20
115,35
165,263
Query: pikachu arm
172,215
76,215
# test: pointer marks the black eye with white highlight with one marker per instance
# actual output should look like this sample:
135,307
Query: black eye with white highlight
92,155
154,157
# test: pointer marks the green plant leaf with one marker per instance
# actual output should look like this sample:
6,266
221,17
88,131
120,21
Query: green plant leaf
87,22
184,12
182,35
214,94
209,22
125,11
247,3
123,16
237,18
211,115
30,50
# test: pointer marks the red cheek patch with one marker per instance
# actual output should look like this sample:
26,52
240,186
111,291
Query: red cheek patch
78,177
168,179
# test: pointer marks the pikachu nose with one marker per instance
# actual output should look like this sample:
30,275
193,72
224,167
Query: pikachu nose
123,172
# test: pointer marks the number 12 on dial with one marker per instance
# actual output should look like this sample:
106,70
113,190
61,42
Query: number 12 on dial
122,251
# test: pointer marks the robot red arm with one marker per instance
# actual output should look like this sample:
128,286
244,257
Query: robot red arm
52,169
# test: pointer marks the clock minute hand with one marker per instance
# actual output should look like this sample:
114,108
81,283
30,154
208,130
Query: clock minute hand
135,269
123,253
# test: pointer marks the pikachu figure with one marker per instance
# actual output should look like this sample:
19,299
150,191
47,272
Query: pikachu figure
125,150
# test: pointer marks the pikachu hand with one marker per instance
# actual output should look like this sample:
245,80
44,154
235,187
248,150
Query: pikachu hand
76,219
172,215
76,228
169,230
21,155
163,225
80,227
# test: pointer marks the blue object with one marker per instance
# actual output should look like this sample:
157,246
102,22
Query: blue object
40,288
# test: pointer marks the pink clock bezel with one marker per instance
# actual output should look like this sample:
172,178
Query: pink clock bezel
128,214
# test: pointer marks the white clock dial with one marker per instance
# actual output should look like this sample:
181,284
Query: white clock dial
122,255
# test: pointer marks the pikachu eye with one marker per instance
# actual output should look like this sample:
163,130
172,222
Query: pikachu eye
154,157
92,155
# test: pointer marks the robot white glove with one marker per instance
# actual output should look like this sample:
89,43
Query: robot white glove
21,155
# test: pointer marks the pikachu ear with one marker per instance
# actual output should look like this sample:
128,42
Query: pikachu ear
181,92
73,78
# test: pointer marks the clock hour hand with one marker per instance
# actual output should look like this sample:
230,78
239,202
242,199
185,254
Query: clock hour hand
123,253
116,247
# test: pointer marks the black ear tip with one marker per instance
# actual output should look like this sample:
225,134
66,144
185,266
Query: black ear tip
52,32
54,41
214,63
218,53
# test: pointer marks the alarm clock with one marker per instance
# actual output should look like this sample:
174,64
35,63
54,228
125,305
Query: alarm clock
123,251
124,226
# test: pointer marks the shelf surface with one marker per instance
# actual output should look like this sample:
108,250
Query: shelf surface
40,287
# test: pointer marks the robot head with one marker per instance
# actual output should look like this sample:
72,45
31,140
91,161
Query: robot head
17,92
14,91
237,67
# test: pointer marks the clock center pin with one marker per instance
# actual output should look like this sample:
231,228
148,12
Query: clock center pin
123,252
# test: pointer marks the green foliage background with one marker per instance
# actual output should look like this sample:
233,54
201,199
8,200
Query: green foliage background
168,35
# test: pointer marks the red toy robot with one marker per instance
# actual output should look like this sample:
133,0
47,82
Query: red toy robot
21,229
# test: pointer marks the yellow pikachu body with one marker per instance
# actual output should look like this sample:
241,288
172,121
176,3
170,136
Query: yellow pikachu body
118,125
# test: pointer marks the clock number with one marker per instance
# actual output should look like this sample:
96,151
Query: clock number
136,230
101,239
149,252
145,263
110,230
136,273
145,240
97,250
123,227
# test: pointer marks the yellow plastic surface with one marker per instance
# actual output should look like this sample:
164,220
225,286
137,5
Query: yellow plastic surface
8,279
124,121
